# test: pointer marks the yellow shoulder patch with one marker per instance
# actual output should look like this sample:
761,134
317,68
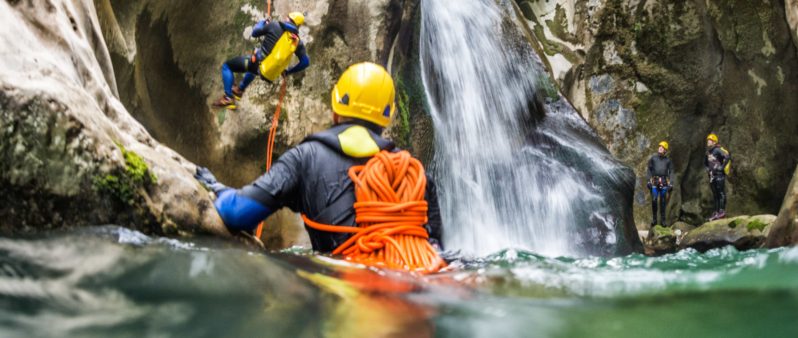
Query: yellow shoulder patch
357,142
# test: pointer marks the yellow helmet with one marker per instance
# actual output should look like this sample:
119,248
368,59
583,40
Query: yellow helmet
297,17
365,91
664,144
713,137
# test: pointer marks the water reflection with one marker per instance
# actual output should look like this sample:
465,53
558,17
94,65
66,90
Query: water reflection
110,281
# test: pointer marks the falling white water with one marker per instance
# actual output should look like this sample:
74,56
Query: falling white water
502,182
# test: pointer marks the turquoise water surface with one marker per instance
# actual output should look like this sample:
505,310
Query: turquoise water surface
110,281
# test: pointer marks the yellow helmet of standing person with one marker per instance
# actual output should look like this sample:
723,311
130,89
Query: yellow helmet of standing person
712,137
664,144
365,91
297,17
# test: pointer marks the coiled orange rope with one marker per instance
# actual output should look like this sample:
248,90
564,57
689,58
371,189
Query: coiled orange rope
390,211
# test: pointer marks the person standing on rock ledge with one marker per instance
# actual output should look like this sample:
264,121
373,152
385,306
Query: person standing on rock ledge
660,172
270,60
314,177
718,164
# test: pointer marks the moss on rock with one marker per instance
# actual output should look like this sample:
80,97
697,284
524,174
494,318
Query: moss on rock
743,232
124,183
662,231
756,224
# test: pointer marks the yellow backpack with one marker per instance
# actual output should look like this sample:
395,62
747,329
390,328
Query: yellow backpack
278,60
727,167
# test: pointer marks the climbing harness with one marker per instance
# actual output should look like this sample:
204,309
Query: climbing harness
390,212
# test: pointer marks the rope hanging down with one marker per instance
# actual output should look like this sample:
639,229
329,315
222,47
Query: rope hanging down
270,142
390,211
273,128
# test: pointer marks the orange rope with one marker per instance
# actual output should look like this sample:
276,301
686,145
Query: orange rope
270,142
390,211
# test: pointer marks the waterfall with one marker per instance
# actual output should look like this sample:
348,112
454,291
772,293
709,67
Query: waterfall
513,172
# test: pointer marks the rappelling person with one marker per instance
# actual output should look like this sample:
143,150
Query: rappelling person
280,40
660,173
718,165
311,178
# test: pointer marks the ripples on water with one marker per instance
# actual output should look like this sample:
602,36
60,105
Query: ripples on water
110,281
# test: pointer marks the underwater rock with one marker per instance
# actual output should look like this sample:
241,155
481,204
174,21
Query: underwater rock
785,228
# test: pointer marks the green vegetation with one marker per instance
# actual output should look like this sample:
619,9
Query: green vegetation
548,86
756,224
403,110
220,116
125,183
559,26
661,231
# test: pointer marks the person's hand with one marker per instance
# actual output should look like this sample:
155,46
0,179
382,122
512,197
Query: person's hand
205,176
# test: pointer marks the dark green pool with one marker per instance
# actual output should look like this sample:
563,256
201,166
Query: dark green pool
108,281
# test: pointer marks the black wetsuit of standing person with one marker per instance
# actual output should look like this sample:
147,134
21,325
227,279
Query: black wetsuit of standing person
660,173
715,162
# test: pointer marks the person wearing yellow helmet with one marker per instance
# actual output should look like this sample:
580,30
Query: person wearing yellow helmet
280,40
660,174
717,163
311,178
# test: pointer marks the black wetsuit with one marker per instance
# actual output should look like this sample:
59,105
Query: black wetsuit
660,173
312,179
270,33
715,161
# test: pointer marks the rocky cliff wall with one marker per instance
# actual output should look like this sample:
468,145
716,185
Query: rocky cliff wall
785,228
70,154
645,71
167,57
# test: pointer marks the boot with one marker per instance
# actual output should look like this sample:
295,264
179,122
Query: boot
238,93
713,217
721,214
225,102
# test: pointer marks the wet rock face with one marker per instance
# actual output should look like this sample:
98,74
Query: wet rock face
70,154
167,58
743,232
791,8
660,240
645,71
785,228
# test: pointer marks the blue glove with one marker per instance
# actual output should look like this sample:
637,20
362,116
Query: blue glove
205,176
